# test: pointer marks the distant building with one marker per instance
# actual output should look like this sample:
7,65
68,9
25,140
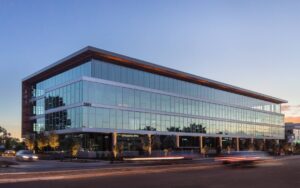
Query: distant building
292,132
103,98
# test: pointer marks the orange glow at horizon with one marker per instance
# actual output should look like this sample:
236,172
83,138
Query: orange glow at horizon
292,119
292,113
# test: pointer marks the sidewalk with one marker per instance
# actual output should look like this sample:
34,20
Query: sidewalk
56,165
51,165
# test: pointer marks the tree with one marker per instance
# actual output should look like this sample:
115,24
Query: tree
67,143
53,140
13,143
75,149
288,148
9,142
3,135
71,144
42,142
204,151
29,142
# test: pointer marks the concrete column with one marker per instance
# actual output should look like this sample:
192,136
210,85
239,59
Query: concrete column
200,143
150,144
177,141
220,142
114,139
252,140
237,144
114,144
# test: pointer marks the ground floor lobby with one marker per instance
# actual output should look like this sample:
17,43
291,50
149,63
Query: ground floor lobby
152,144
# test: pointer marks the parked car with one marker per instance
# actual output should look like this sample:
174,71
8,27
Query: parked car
26,155
9,153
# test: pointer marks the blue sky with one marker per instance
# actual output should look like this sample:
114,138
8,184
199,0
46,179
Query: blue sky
251,44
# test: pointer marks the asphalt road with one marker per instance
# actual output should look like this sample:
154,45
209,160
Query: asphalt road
273,174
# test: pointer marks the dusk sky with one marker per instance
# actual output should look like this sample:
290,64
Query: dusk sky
250,44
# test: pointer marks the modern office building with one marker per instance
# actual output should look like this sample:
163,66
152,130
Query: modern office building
105,98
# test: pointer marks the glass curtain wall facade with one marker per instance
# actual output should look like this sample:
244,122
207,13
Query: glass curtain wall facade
103,95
